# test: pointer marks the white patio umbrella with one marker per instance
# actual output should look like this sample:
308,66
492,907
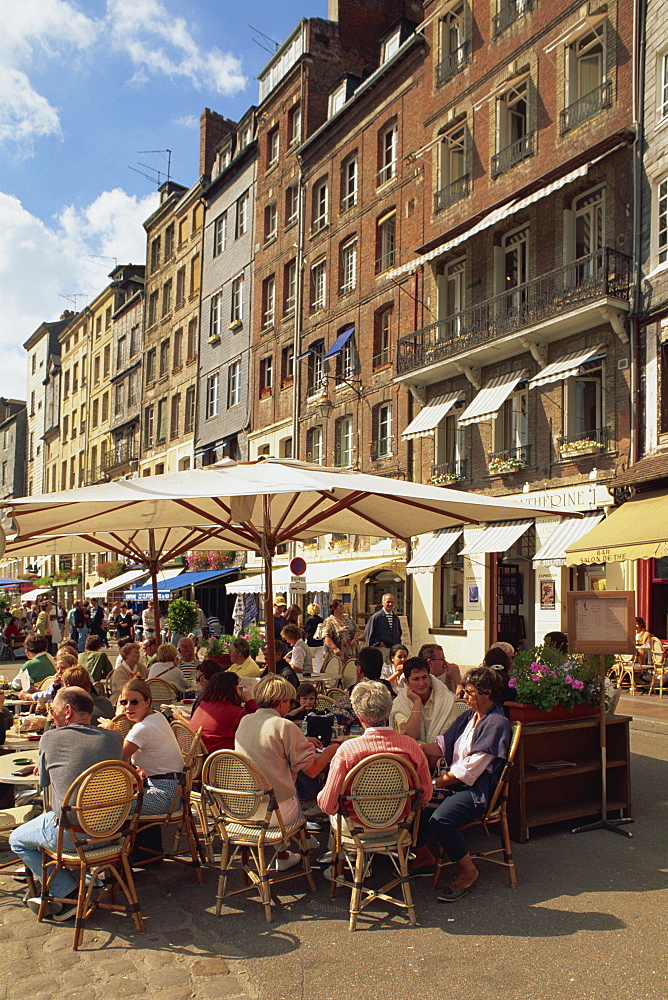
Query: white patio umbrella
255,505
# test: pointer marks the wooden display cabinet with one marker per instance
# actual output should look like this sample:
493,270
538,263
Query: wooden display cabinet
539,796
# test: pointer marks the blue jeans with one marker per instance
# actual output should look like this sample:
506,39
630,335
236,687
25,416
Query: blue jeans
81,638
446,820
27,841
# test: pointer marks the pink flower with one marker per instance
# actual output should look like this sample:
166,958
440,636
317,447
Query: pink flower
512,682
578,685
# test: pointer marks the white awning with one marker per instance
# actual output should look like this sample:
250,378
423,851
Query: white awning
489,400
101,590
496,538
568,366
34,595
432,551
430,416
318,576
510,208
570,530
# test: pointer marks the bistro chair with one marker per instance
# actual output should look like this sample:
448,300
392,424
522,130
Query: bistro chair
162,691
460,706
185,737
100,812
45,684
242,803
323,703
659,669
379,805
496,813
332,670
629,665
178,815
10,818
336,694
122,723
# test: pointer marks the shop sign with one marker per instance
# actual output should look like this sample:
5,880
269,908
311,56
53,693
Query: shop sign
582,496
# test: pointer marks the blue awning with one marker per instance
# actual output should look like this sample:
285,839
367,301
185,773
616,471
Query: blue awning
304,354
340,342
167,587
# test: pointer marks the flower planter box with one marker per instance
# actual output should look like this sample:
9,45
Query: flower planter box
521,712
581,451
504,467
225,660
444,480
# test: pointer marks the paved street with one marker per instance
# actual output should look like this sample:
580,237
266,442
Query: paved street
587,919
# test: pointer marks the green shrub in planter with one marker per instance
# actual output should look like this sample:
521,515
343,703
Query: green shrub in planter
182,616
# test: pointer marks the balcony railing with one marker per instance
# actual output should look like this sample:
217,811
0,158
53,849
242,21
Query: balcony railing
580,444
447,473
509,460
453,63
604,273
507,158
451,193
509,12
382,448
586,107
119,455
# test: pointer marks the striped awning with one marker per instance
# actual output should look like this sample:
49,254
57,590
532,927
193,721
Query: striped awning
489,400
432,551
496,538
430,416
569,531
565,368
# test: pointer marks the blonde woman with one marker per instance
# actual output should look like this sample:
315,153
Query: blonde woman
166,667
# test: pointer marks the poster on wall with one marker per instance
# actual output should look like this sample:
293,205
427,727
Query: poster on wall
474,596
547,595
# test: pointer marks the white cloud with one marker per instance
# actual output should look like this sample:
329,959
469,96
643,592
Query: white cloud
187,121
157,42
40,264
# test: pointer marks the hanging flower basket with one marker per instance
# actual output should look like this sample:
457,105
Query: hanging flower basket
497,466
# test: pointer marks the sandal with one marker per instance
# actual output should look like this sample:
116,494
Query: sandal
452,893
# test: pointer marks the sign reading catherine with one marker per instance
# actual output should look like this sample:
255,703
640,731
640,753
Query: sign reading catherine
583,496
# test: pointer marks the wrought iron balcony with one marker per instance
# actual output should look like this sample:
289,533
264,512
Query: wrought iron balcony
558,292
451,193
507,158
120,454
453,63
447,473
581,444
509,12
586,107
509,460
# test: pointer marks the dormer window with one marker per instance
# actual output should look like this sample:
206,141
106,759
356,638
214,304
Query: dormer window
391,45
338,98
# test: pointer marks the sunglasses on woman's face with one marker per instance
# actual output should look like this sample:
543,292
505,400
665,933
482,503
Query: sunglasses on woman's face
132,701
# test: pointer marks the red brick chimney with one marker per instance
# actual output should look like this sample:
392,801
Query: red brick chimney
212,128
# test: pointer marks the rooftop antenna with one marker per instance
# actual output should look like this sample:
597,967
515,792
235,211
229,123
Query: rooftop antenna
267,41
73,297
99,256
156,176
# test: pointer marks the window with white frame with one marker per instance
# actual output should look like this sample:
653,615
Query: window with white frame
212,390
220,234
272,148
270,220
663,85
287,366
453,175
268,301
346,360
449,446
588,88
295,123
149,426
291,204
514,132
451,296
584,405
454,43
189,416
381,431
266,374
589,223
348,266
237,299
391,45
316,367
337,98
349,172
234,383
387,153
216,322
343,441
508,11
662,221
314,445
319,284
242,215
386,229
511,260
510,427
320,199
289,287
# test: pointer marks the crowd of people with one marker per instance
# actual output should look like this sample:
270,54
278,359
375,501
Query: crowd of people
403,704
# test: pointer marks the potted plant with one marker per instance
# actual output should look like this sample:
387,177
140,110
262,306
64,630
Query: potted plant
583,446
497,465
551,688
445,479
181,618
218,649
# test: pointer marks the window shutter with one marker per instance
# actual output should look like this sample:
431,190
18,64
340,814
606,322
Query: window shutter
568,235
609,47
499,269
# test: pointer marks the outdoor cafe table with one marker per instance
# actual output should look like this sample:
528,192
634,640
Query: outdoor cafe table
7,766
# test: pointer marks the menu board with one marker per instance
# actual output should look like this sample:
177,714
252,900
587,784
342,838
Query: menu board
601,621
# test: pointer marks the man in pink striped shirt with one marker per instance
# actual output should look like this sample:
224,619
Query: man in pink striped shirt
371,703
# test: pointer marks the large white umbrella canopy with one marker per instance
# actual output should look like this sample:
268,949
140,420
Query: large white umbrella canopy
254,505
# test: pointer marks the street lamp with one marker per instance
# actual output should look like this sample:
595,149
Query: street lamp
324,403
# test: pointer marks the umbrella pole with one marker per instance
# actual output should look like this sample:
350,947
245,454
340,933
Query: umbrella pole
153,569
268,555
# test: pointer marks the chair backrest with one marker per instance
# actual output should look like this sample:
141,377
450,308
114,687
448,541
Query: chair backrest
100,688
97,806
502,786
237,787
123,724
332,666
336,694
323,703
186,738
46,683
657,651
161,690
379,791
460,706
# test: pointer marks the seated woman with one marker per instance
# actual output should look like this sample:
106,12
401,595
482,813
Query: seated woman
166,667
14,637
224,704
475,748
94,658
150,746
126,669
393,672
299,656
205,671
283,668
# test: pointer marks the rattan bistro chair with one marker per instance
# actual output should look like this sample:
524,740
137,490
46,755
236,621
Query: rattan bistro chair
496,813
323,703
659,668
122,723
162,691
100,812
332,670
242,803
185,737
460,706
379,805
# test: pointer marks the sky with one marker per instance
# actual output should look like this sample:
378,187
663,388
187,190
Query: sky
87,87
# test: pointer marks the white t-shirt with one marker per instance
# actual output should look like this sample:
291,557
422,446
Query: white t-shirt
158,750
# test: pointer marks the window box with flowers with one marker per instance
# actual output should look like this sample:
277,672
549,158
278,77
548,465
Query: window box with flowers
287,381
499,466
445,479
266,392
236,324
577,449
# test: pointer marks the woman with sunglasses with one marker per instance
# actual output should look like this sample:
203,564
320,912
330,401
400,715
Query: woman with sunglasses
150,746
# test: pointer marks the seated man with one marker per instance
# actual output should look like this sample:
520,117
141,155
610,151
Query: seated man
371,703
188,662
243,663
369,667
424,708
65,753
94,658
38,667
79,677
439,667
149,651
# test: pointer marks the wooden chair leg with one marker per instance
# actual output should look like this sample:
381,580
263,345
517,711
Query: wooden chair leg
440,865
508,851
356,894
222,878
131,895
265,890
80,918
306,861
